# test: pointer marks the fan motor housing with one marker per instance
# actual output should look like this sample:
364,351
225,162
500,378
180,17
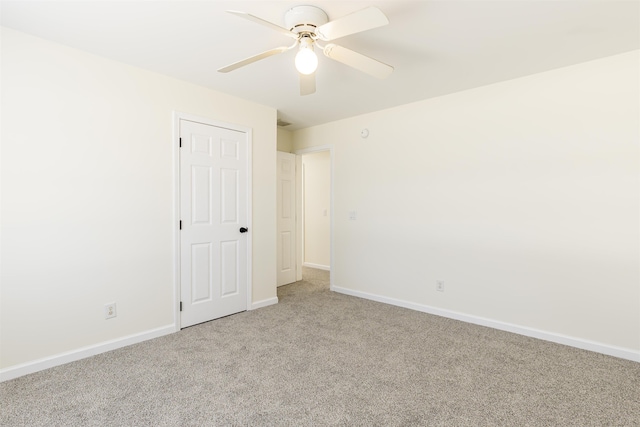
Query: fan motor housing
305,19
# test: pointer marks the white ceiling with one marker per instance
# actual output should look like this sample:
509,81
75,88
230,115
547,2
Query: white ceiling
436,47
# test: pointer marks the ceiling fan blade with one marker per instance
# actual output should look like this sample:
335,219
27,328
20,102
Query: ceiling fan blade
362,20
252,59
358,61
307,84
261,21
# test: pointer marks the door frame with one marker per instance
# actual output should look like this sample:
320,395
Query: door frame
299,216
175,141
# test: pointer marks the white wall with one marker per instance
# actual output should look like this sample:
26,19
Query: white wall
522,196
87,196
317,209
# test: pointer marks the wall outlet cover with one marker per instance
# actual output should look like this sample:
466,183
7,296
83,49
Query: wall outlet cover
110,310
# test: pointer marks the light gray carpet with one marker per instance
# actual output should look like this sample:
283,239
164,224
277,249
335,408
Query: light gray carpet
322,358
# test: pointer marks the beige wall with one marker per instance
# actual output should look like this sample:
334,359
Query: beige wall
284,141
317,209
522,196
88,197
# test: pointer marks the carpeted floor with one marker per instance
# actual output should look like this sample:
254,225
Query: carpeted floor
322,358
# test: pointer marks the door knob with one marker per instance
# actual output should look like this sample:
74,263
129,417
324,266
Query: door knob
243,229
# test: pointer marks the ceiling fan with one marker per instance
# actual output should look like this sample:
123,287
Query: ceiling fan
307,25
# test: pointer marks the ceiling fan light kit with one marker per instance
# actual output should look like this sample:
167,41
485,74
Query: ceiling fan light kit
307,25
306,59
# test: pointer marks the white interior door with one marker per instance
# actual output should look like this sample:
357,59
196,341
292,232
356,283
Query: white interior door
286,212
214,214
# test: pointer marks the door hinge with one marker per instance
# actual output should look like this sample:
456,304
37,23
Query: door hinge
180,305
180,142
180,224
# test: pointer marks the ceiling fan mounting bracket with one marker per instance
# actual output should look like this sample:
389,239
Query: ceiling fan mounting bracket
305,19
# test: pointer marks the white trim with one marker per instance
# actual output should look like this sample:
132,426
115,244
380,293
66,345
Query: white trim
621,352
318,266
177,116
299,217
264,303
249,133
330,149
82,353
302,218
175,142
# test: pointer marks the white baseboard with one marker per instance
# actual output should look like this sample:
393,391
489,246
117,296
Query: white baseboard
318,266
81,353
623,353
264,303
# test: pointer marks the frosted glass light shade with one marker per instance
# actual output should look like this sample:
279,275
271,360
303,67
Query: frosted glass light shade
306,61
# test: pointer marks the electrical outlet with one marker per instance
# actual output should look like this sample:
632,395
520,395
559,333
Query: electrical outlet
110,310
440,286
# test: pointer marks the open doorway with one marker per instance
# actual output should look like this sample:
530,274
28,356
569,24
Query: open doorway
305,210
315,208
316,212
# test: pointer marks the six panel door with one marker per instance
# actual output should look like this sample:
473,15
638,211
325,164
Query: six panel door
286,211
213,209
